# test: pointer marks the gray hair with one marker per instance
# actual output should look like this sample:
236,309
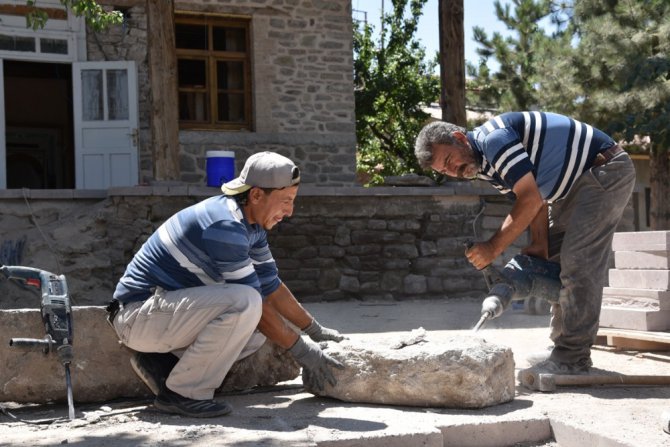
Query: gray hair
437,132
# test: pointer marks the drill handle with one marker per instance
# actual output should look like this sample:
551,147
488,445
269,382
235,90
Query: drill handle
28,277
45,344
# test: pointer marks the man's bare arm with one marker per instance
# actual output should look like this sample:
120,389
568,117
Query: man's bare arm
528,203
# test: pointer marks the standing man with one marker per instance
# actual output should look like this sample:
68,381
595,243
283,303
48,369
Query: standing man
205,287
571,182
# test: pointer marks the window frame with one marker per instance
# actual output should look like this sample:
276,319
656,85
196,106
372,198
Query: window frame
212,57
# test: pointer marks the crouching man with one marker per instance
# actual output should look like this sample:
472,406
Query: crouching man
205,286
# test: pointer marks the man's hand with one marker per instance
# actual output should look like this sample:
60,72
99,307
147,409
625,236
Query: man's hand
481,254
317,363
319,333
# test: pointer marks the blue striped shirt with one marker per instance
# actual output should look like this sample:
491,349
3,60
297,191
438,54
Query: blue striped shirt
208,243
555,148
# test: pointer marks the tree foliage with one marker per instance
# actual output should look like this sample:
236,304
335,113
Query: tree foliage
622,63
512,86
393,82
94,14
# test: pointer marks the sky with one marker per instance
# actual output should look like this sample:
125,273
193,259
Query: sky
476,13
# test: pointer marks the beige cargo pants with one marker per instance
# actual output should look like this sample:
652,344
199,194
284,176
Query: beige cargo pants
208,327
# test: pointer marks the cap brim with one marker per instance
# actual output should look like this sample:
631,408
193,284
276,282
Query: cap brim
234,186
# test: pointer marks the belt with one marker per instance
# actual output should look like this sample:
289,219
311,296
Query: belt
112,309
606,155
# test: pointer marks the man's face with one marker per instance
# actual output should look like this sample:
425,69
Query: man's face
267,210
455,160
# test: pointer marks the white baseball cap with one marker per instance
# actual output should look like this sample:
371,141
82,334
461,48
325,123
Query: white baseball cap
264,170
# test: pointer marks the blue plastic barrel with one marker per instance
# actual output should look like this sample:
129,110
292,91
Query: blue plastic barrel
220,167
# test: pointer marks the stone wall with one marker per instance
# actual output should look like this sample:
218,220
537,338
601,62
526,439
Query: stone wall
341,243
302,86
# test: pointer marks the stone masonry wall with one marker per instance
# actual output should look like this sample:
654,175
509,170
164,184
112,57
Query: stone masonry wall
334,247
342,243
302,86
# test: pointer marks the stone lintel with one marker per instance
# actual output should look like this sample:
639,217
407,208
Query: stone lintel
640,279
634,260
641,241
101,368
634,319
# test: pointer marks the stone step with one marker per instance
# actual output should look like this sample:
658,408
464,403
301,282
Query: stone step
653,260
101,368
634,319
642,298
640,279
641,241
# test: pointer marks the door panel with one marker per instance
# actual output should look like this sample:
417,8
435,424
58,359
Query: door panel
3,151
105,114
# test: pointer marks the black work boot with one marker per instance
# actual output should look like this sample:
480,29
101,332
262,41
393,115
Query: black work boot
171,402
153,368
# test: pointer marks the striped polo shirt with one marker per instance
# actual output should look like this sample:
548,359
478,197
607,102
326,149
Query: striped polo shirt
208,243
555,148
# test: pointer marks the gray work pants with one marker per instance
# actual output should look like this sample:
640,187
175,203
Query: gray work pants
581,227
208,327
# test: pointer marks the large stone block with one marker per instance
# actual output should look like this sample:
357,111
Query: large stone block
652,260
641,241
635,319
455,372
640,279
641,298
101,366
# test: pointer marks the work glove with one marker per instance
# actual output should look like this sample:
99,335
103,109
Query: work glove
317,364
319,333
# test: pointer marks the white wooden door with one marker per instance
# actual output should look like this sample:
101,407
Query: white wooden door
105,124
3,149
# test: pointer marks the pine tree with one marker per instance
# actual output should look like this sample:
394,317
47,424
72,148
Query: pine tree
623,68
512,86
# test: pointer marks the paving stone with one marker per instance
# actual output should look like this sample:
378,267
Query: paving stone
641,241
642,298
101,366
653,260
640,279
457,372
634,319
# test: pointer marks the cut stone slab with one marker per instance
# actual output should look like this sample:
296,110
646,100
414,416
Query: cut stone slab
101,368
641,241
653,260
640,298
640,279
634,319
456,372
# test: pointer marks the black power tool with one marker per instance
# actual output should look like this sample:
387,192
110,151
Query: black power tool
56,316
522,277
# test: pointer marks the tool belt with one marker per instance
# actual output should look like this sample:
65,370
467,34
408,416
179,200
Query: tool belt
607,155
112,309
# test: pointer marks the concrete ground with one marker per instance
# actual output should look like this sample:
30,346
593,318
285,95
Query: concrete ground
287,416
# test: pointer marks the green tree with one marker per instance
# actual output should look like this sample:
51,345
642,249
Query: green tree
512,86
393,82
96,16
622,65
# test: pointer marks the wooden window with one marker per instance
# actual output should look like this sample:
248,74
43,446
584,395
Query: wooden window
214,75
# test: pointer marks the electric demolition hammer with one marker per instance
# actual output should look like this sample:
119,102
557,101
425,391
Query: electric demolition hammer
56,316
522,277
